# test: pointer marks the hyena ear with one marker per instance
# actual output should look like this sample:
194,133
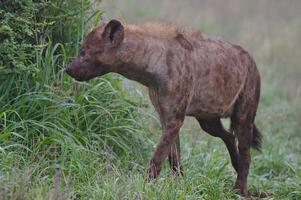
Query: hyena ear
113,33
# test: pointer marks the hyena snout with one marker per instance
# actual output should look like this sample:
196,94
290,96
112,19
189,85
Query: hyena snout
75,72
78,71
84,71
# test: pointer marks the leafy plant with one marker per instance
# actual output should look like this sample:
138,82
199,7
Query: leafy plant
48,122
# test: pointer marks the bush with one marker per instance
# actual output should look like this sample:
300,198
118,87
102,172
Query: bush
17,34
42,111
27,25
48,122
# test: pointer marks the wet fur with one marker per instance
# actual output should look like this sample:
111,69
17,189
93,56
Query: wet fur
187,74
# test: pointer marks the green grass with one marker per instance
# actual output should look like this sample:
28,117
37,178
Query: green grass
60,139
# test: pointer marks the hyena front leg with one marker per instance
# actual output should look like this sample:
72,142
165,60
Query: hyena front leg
174,158
167,115
172,114
169,137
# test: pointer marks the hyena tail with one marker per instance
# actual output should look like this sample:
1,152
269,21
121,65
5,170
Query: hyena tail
257,138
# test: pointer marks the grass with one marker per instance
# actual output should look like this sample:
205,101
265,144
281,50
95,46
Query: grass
57,127
60,139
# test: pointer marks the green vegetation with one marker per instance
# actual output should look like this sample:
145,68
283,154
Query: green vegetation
52,128
60,139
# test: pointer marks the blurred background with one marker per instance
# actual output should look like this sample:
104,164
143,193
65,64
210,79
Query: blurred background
62,139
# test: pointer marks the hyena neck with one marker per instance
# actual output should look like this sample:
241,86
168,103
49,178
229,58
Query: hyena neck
141,59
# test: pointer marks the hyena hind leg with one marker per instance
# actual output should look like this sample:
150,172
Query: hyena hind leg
242,123
215,128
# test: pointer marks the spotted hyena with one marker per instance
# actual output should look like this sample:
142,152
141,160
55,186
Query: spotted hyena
187,74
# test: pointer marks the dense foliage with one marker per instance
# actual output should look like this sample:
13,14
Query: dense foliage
44,114
26,25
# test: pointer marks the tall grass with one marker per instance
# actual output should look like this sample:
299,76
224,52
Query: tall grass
62,124
56,134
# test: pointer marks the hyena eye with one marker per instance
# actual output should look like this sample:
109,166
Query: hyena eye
82,53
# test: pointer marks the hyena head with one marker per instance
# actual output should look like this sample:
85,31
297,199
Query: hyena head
99,53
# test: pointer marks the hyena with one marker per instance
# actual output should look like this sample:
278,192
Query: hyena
187,74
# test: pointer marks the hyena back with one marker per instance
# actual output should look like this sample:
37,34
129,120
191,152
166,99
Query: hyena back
187,74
